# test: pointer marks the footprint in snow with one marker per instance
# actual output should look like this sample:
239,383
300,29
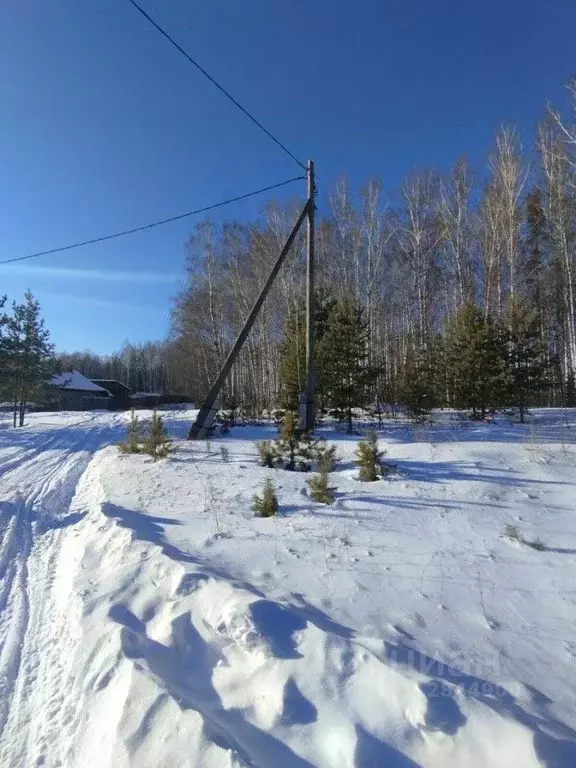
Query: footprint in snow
442,711
296,708
191,582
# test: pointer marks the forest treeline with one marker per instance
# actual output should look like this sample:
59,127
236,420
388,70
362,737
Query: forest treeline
426,272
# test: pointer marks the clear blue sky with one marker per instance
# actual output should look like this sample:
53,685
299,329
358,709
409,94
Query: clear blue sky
103,126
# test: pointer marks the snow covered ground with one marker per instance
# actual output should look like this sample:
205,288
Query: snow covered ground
147,619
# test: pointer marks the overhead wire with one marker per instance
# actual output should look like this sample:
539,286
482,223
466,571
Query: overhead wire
215,83
204,209
151,225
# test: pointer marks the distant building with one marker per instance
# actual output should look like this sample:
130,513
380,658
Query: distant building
157,400
146,399
74,392
120,393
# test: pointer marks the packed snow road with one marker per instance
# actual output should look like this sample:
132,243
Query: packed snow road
40,469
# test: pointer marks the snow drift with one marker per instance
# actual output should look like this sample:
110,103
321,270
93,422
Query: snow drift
147,619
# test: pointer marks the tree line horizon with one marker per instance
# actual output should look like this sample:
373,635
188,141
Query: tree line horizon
499,250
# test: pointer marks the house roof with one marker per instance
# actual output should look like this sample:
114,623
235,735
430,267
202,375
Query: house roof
75,380
105,382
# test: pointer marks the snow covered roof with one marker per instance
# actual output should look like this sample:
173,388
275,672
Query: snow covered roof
110,381
75,380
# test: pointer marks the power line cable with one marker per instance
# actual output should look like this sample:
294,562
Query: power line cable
216,83
153,224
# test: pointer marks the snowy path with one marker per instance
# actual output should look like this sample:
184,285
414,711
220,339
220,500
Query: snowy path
148,620
38,482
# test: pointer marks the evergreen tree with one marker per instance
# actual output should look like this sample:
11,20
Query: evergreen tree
266,453
293,354
229,414
325,457
157,442
343,350
267,504
293,360
369,458
527,360
132,444
5,360
477,359
416,384
294,447
320,490
28,355
535,243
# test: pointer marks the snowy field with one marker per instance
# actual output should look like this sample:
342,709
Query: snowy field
147,619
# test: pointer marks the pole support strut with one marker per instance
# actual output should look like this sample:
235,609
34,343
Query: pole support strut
200,430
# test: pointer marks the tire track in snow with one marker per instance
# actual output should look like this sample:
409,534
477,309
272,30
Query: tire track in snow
14,608
38,493
27,452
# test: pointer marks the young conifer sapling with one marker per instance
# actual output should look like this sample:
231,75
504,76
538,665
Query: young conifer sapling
132,444
265,505
369,458
157,443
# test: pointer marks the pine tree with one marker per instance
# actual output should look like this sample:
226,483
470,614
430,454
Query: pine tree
369,458
267,504
293,360
343,350
29,355
5,360
325,456
477,359
157,442
294,447
527,360
440,378
229,413
266,453
293,353
133,442
320,490
416,386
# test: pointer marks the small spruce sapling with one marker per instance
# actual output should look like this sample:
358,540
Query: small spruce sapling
230,413
369,458
157,442
267,504
132,444
325,457
319,489
266,453
294,447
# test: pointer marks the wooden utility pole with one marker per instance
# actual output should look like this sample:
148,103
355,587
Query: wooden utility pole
310,274
203,423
